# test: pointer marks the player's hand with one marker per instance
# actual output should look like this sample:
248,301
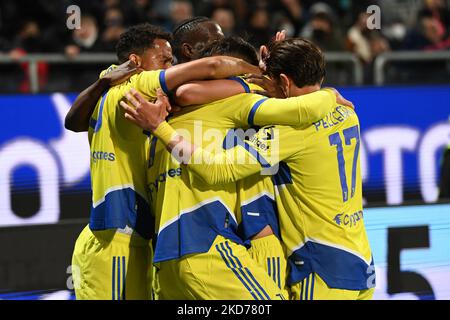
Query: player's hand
280,36
270,86
145,114
122,73
341,100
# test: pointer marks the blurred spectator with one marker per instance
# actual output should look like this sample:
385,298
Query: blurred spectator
293,11
428,34
139,11
395,32
107,4
85,39
366,43
323,31
225,18
114,27
335,25
29,40
207,7
29,37
437,9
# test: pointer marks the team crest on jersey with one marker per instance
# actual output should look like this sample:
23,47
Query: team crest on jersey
267,133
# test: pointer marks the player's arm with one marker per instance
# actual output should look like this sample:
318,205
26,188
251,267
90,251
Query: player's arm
230,165
218,67
77,119
295,111
201,92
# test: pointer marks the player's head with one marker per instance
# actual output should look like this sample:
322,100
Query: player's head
232,47
192,36
295,64
147,45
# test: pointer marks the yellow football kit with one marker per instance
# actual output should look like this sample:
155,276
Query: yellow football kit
113,254
319,196
196,224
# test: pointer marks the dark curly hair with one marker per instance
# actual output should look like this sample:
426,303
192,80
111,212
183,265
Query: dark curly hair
137,39
300,59
183,32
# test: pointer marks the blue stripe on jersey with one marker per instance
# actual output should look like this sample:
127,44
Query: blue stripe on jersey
306,288
274,267
338,268
268,267
278,273
123,277
235,272
121,208
114,278
302,289
251,225
98,124
195,232
257,283
92,123
118,278
162,81
312,286
151,158
242,83
238,267
252,113
244,271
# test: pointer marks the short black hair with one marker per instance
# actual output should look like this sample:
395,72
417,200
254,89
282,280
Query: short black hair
300,59
232,46
138,38
183,31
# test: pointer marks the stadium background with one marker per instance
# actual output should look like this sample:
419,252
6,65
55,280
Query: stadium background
397,76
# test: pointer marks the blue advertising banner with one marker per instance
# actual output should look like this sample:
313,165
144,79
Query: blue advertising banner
37,153
404,131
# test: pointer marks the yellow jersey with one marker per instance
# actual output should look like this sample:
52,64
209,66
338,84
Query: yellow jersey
190,214
119,154
318,194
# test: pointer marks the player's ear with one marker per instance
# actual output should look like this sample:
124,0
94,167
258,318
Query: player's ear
187,50
285,84
136,59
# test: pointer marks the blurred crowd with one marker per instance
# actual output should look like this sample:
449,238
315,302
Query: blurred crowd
335,25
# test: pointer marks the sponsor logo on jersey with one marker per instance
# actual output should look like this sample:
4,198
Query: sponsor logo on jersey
162,177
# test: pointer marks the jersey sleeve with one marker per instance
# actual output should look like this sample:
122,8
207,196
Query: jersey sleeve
295,111
150,81
261,153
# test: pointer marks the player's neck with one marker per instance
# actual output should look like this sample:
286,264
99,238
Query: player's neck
296,91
